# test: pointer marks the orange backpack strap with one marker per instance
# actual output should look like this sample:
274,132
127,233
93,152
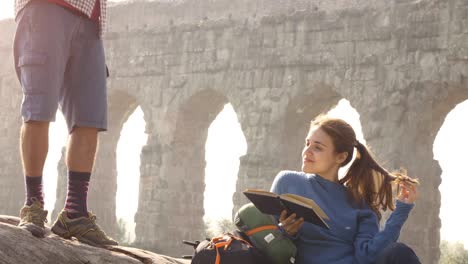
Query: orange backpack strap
218,242
240,239
261,228
218,258
224,241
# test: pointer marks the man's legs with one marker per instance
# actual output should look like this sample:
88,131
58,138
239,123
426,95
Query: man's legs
34,144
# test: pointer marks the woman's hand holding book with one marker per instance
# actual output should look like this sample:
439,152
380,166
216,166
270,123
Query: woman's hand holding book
290,224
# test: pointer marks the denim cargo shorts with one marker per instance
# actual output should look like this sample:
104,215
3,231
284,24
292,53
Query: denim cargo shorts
60,62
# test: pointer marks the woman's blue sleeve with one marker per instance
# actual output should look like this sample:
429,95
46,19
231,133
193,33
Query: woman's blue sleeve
369,241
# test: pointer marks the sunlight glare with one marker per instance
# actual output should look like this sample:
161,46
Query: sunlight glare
449,147
131,141
225,144
6,9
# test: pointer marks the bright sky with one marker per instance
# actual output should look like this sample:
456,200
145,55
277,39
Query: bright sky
6,9
449,149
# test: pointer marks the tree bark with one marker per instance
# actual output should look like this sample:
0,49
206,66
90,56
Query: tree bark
19,246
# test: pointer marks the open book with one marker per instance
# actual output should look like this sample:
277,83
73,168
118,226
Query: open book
272,203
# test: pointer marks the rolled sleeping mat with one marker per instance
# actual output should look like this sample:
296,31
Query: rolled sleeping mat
263,232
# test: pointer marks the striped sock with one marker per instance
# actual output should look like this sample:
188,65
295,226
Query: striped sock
34,190
76,204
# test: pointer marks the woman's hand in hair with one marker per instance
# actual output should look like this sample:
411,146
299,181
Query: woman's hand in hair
408,193
290,224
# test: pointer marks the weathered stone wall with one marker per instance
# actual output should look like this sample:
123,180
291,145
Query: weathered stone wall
12,194
402,64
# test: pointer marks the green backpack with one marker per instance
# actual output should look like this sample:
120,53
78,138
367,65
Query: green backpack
265,235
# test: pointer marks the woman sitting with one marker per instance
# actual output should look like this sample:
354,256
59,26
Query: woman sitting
353,203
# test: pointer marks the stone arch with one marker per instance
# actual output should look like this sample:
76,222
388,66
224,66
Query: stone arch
194,118
451,95
177,195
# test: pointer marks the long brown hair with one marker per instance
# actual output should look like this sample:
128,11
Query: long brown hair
365,180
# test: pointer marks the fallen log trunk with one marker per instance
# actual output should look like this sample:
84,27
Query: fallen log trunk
19,246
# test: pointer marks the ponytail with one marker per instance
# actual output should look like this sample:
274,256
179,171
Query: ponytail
368,182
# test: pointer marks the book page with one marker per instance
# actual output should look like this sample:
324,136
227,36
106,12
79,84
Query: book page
260,191
305,202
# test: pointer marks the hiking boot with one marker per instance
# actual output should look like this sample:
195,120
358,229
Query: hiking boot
83,228
33,218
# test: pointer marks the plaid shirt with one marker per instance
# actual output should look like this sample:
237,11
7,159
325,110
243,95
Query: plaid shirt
85,6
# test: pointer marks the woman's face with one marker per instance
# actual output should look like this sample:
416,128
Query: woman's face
319,156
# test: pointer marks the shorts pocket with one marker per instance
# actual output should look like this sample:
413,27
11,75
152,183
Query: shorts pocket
34,73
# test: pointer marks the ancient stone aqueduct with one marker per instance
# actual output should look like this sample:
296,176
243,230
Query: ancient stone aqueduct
402,64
